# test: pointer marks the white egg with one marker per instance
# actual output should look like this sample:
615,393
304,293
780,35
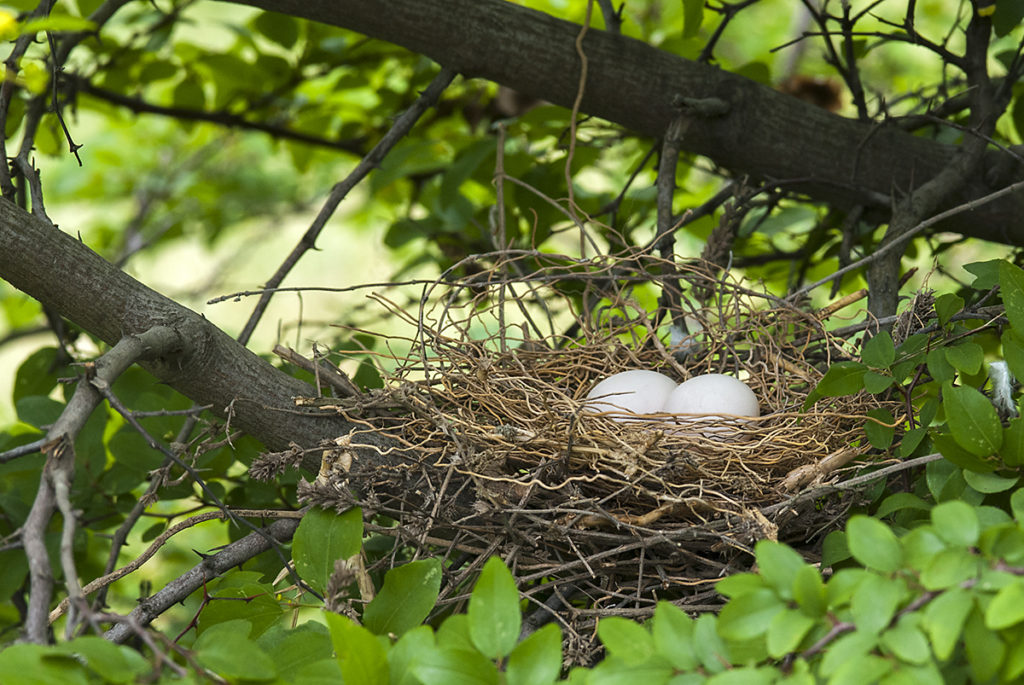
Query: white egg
630,392
713,395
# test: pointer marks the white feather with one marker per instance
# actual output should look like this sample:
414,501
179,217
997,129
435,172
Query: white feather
1002,387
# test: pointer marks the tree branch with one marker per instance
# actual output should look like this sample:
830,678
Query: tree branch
209,568
371,161
211,369
59,467
227,119
832,159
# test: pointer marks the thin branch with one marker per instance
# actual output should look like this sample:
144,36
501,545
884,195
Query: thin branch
670,300
236,553
612,17
12,66
141,106
322,369
154,547
158,341
372,160
927,223
116,404
22,450
57,68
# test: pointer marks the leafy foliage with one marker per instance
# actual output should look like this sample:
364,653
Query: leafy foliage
202,125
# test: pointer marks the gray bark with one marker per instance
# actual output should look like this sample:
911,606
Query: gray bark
211,368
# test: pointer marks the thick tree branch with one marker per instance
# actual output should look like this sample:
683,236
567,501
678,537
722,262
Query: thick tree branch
766,134
212,369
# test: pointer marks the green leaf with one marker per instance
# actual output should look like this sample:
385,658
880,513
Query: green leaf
739,584
693,16
625,639
786,631
972,420
115,663
38,411
1017,504
712,652
899,501
537,659
952,451
1014,662
463,166
672,630
454,667
361,655
1013,351
875,382
1007,607
879,352
875,601
157,70
494,617
850,651
1003,539
408,595
778,565
990,483
881,431
251,602
37,375
946,305
322,538
834,548
56,22
966,357
283,29
1006,17
842,378
749,616
920,546
189,94
454,633
40,663
948,568
956,523
1012,451
614,671
984,648
911,440
1011,284
411,647
291,648
986,274
227,650
907,642
943,620
873,544
938,365
809,591
742,675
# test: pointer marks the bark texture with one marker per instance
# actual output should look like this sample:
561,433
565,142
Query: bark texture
766,134
210,368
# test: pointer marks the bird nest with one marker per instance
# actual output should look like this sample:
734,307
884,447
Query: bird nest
488,449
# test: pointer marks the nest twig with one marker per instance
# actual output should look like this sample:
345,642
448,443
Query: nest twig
498,456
